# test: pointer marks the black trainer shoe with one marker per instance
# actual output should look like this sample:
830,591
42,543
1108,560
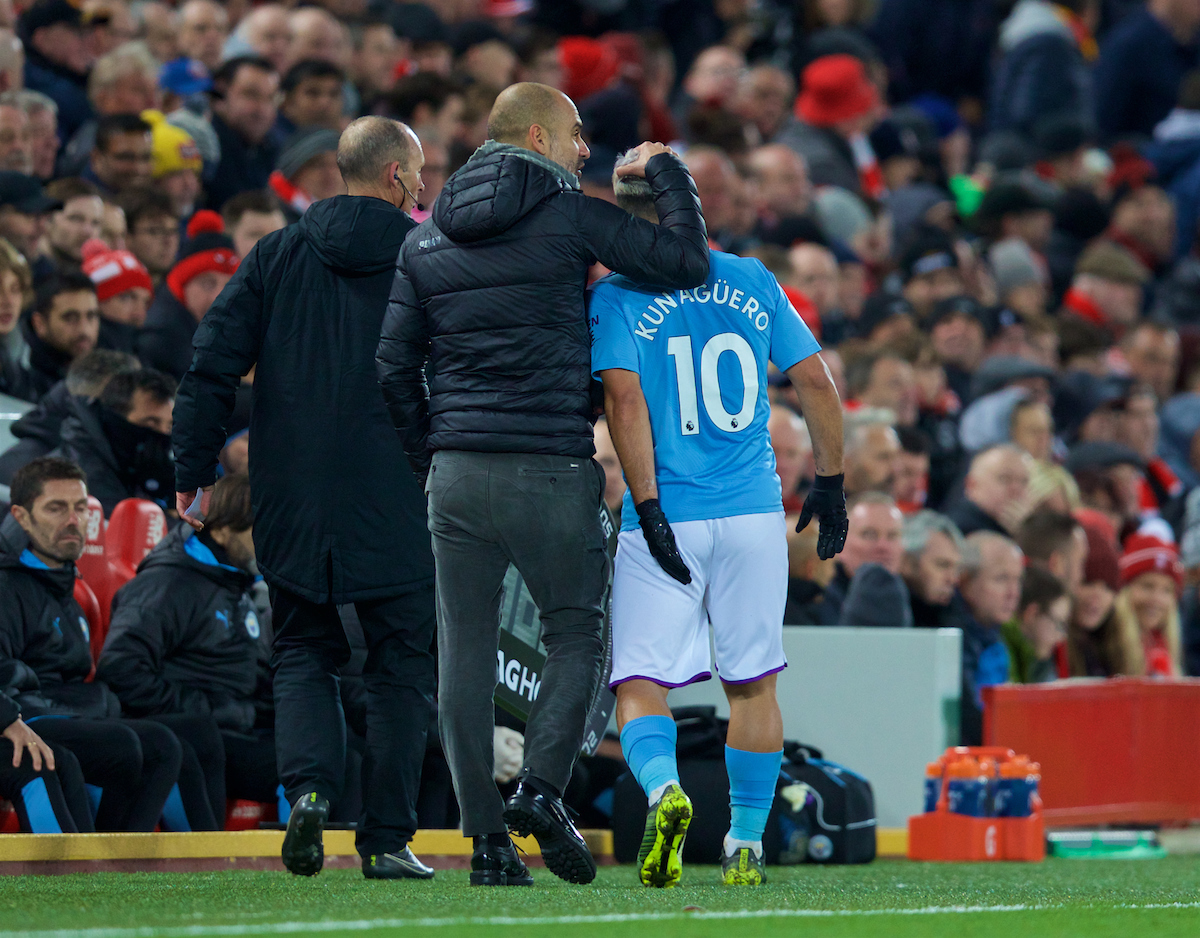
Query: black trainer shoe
497,864
535,808
402,865
303,853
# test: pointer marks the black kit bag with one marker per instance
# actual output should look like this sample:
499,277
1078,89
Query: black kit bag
823,813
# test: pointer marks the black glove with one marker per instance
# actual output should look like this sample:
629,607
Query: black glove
827,500
661,540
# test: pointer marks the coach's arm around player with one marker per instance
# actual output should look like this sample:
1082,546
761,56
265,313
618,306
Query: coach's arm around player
822,410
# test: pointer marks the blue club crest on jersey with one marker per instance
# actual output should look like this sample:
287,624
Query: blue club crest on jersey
252,627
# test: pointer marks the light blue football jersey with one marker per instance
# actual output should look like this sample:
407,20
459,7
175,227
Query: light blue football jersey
702,357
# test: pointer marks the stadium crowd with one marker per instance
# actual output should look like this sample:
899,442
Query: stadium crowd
988,212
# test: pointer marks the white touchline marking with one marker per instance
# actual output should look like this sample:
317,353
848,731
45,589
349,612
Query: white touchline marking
287,928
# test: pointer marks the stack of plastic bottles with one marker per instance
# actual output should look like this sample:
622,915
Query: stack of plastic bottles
983,786
981,803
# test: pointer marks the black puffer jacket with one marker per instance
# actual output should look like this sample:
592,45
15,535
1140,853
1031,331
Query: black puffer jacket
184,636
44,655
338,516
490,293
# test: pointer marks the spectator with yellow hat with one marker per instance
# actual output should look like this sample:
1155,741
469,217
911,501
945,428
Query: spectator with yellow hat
177,163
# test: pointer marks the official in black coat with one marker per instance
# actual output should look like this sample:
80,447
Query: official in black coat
488,308
339,517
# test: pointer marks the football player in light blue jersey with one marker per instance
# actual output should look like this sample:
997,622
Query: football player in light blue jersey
685,389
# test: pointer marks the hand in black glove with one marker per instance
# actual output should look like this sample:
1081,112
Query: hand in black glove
661,540
827,500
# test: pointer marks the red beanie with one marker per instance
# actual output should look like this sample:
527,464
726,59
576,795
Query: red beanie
1145,553
113,272
589,65
207,248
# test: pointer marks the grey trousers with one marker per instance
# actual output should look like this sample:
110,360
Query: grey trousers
541,514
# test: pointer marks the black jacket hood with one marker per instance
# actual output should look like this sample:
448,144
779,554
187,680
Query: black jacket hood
354,234
490,194
44,422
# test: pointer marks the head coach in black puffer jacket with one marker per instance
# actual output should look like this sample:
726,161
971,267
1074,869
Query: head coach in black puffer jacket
487,312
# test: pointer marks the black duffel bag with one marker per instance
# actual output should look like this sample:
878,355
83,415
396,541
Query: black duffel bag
822,813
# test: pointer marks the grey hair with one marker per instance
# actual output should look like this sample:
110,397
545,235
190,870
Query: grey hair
369,144
854,422
633,193
126,59
921,526
32,102
972,551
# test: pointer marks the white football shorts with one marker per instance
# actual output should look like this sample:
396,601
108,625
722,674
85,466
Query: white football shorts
739,585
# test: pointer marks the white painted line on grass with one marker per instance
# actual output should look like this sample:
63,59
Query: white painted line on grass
288,928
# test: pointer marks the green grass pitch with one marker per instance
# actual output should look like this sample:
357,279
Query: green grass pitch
1092,898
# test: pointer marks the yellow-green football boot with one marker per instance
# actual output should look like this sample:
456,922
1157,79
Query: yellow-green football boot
660,858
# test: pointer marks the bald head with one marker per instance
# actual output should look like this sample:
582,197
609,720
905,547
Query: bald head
542,119
370,145
998,477
518,107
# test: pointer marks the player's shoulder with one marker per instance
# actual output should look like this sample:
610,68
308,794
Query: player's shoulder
613,286
725,265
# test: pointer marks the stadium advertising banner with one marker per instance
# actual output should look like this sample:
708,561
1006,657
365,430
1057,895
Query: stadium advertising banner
522,656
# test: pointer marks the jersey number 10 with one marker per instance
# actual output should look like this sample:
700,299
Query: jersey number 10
680,348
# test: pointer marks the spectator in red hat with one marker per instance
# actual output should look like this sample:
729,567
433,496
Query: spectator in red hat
1147,608
837,107
206,262
123,287
588,66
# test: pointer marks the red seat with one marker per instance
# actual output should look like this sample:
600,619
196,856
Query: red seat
93,566
97,626
9,823
242,815
135,528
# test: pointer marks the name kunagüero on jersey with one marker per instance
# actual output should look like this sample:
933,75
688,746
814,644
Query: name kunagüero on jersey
660,307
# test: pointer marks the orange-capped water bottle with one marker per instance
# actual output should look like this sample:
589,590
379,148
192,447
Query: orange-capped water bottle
967,787
933,785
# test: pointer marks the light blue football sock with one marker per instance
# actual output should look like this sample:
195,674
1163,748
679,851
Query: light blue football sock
649,747
752,780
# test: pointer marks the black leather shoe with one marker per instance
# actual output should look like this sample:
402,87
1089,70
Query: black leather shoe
402,865
303,853
535,808
495,864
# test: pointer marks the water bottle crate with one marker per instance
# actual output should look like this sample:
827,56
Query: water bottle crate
982,804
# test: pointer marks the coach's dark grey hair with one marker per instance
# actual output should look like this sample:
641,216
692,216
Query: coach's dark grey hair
369,144
633,192
921,526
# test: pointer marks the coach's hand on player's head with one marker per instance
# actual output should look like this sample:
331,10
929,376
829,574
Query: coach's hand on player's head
661,540
644,152
827,500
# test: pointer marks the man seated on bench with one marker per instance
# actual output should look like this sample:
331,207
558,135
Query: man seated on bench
186,646
45,659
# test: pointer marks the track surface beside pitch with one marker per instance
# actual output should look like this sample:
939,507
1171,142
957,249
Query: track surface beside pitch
896,898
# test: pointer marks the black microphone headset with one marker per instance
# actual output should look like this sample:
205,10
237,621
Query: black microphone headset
420,207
